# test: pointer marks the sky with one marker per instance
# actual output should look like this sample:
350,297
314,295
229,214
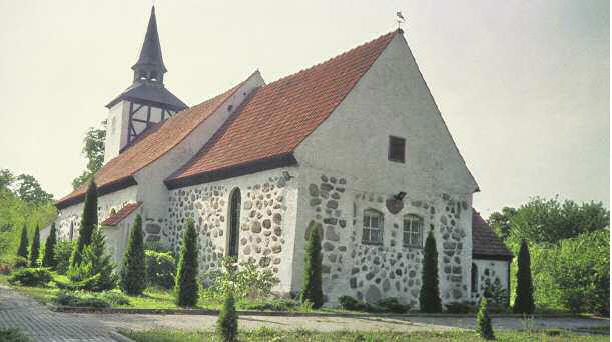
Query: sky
524,86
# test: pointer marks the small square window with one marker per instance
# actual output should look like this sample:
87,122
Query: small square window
397,149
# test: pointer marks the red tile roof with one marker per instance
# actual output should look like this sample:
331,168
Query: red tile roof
281,114
485,243
124,212
150,146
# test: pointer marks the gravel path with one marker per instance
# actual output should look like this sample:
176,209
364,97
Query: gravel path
37,321
206,322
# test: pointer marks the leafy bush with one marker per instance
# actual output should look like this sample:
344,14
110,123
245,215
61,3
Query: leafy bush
270,305
63,251
483,322
350,303
161,269
227,323
496,293
458,308
13,335
133,274
393,305
91,299
31,277
240,280
9,264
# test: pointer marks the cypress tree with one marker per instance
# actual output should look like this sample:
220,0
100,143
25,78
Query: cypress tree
429,297
186,285
312,289
89,220
49,257
95,272
22,251
133,272
227,323
483,321
35,249
524,285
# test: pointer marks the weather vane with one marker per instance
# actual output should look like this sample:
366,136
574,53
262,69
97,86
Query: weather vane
400,19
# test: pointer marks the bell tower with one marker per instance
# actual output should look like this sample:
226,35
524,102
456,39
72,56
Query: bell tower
145,102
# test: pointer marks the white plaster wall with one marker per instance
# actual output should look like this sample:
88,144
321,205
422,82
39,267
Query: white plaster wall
106,203
392,99
488,272
117,237
154,193
271,198
117,138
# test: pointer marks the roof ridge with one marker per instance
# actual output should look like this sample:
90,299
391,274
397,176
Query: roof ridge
337,56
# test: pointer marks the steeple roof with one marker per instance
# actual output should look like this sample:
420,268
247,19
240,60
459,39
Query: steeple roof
150,53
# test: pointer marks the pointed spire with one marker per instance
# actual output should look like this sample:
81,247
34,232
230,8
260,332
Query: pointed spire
150,65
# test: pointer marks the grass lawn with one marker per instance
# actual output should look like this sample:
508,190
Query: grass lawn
267,334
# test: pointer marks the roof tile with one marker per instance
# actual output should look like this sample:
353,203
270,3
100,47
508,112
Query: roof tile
124,212
485,243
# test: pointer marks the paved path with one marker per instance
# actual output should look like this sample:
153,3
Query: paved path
43,325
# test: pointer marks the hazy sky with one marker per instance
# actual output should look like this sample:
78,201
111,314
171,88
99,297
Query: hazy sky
523,85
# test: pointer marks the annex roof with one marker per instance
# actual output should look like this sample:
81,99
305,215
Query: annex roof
124,212
278,116
485,243
148,147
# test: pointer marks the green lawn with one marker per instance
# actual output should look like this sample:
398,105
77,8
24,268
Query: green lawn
268,334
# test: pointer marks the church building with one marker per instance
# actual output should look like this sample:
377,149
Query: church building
355,143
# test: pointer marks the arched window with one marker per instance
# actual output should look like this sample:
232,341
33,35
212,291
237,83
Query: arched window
413,231
71,230
474,278
234,223
373,227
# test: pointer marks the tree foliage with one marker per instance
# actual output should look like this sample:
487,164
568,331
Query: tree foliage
22,250
429,297
312,289
133,273
89,220
524,285
29,190
35,249
49,257
186,285
93,150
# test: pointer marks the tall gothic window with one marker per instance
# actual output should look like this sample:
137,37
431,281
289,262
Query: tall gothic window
71,230
474,278
373,227
413,231
234,223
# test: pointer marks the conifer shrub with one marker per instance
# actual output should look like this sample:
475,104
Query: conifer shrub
34,276
313,287
89,220
186,286
161,269
429,297
35,249
133,273
63,253
49,256
22,250
95,272
524,284
8,264
227,322
483,321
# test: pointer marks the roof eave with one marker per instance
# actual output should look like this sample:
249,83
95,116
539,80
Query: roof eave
105,189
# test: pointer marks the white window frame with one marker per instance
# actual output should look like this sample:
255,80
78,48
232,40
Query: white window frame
412,231
373,227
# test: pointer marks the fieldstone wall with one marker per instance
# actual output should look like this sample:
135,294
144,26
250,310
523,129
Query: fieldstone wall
373,272
262,235
490,272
